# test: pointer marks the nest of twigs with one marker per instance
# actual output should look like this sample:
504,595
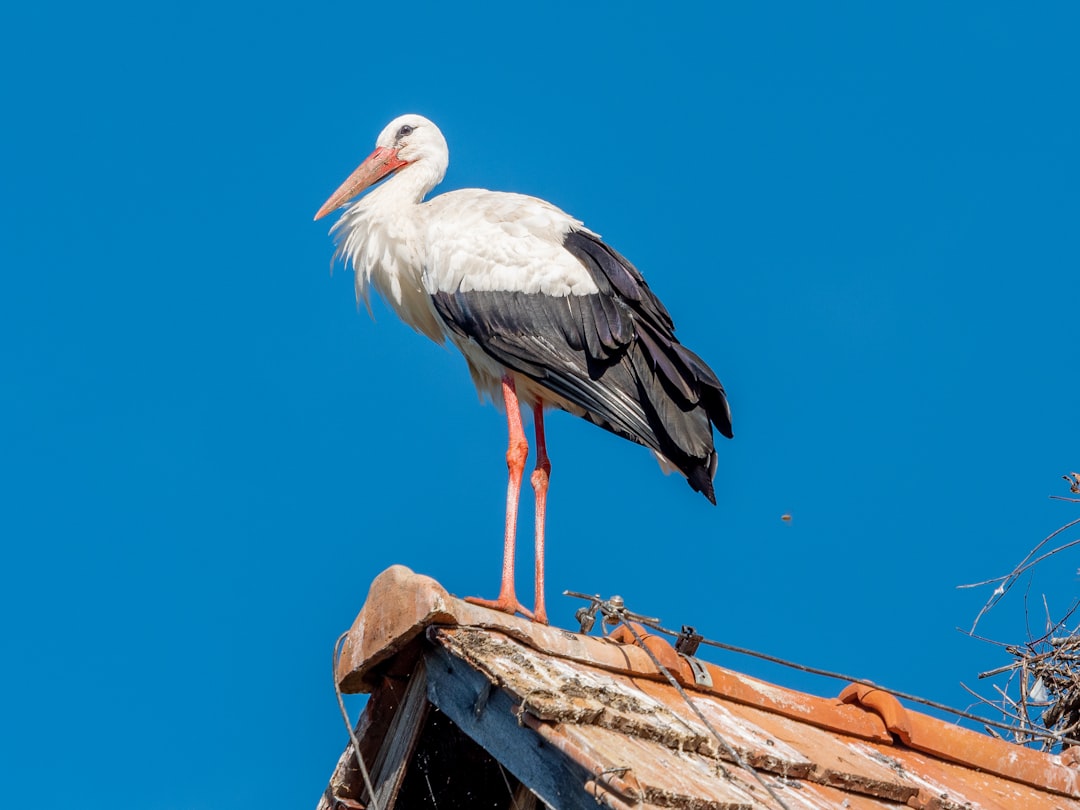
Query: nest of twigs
1056,673
1045,671
1047,712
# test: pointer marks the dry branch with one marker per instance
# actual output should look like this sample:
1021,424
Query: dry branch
1045,670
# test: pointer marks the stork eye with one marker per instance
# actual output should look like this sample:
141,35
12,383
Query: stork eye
405,130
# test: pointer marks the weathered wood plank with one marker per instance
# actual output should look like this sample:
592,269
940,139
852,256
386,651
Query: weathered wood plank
486,714
400,740
346,786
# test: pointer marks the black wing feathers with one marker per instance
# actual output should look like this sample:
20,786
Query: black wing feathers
611,271
613,354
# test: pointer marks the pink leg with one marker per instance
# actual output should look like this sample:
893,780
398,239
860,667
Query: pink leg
516,454
540,478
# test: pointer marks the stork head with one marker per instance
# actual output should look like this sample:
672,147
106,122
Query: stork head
408,140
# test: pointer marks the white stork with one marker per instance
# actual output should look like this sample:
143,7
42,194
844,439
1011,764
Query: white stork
545,313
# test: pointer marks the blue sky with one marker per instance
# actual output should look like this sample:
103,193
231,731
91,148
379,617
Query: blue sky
864,218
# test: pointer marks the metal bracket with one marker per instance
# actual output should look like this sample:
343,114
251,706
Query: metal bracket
701,672
688,641
613,611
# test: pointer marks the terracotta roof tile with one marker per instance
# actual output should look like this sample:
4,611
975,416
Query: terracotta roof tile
605,706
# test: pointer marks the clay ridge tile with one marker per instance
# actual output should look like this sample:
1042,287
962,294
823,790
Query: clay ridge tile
963,746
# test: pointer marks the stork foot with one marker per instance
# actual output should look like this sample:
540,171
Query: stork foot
505,605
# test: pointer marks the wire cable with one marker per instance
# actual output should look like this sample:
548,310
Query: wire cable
348,723
654,624
620,613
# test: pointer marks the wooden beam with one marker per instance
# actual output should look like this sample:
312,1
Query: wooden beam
347,784
400,740
487,714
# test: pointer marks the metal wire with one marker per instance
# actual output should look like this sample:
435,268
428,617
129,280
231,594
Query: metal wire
654,624
348,723
619,612
864,682
510,790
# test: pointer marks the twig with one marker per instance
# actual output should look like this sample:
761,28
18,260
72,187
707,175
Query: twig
1009,579
1042,543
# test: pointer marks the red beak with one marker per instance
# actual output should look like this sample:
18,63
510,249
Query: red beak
378,165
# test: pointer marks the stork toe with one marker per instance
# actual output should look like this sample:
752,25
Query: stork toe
503,604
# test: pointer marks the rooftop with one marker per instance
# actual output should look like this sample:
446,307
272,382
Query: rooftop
474,708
